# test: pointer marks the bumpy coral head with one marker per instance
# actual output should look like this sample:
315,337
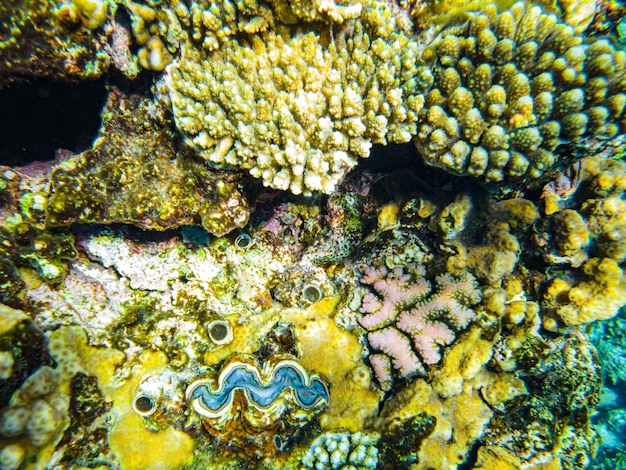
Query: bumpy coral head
249,406
510,88
295,106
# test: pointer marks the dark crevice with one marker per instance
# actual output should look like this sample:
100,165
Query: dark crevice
41,116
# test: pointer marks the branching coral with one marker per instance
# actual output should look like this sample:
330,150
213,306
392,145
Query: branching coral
297,109
510,88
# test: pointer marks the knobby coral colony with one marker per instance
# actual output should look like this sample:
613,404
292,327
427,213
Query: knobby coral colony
453,333
510,88
493,97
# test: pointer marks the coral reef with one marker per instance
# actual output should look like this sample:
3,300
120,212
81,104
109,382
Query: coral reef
512,87
450,413
38,413
428,308
23,348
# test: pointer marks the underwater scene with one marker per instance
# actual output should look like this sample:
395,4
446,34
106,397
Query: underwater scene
312,234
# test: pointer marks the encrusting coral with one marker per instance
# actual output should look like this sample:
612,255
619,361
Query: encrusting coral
53,38
585,231
140,178
599,296
510,87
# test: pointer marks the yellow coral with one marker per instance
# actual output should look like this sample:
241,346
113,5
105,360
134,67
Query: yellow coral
598,298
292,109
452,219
579,13
316,10
509,88
456,401
10,317
521,212
352,401
46,393
389,217
135,446
497,257
247,336
607,223
93,12
154,56
572,236
496,458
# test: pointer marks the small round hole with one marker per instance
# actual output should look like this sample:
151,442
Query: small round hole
312,293
144,405
220,332
280,443
243,241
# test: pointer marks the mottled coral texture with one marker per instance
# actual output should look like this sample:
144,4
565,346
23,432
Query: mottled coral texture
510,88
585,232
408,321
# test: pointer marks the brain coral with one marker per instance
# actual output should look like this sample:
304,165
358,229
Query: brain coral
511,87
298,108
408,321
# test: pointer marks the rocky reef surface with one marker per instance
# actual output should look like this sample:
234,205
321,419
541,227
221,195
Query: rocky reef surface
317,234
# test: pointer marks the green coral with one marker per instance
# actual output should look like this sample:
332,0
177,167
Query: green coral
554,418
52,38
29,246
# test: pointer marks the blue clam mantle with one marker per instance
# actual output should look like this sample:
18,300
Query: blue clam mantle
308,391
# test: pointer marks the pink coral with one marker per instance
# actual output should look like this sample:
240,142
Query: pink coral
421,323
408,322
381,364
398,347
398,289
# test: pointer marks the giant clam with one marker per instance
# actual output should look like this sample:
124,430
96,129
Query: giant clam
248,406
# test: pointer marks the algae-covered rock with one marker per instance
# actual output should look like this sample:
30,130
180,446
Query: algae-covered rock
136,174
